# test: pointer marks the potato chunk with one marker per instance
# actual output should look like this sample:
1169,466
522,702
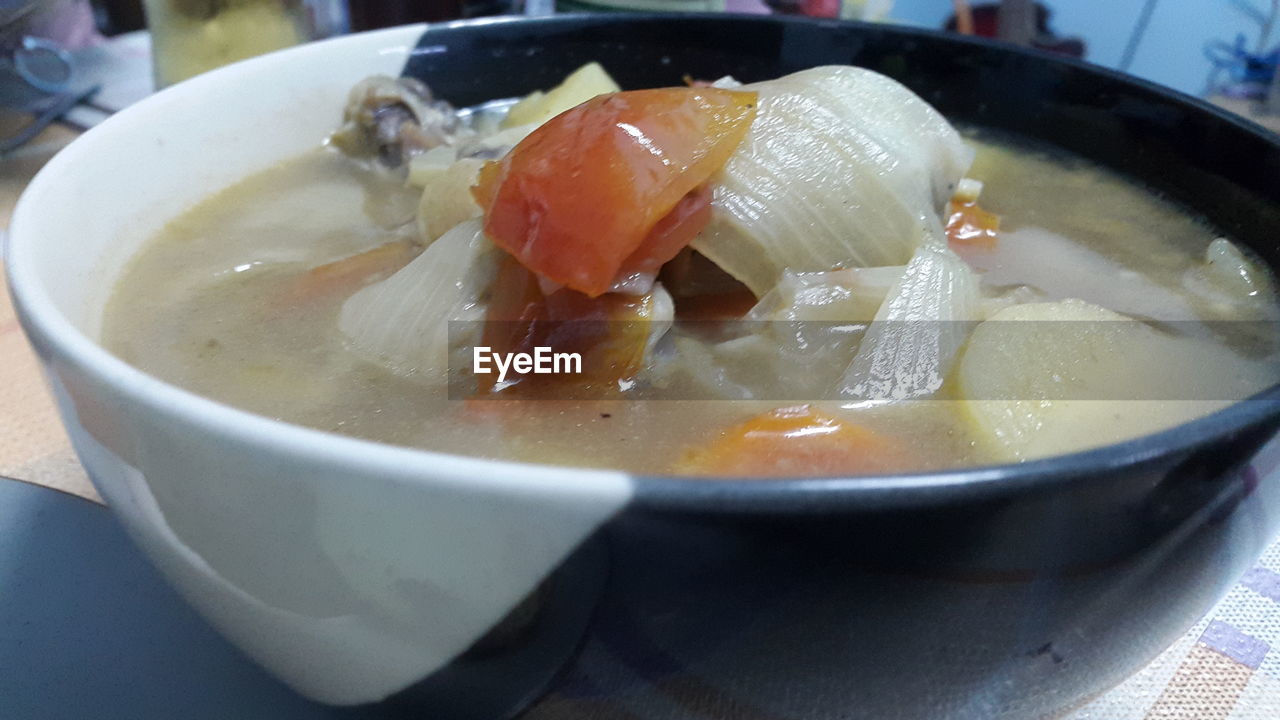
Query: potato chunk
446,197
1049,378
582,84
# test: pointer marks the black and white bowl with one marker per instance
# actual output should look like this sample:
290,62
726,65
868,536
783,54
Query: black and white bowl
365,574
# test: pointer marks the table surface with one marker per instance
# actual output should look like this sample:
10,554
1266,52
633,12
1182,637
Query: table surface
33,445
1222,668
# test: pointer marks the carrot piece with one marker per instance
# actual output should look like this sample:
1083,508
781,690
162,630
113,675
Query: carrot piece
968,225
350,273
578,200
795,441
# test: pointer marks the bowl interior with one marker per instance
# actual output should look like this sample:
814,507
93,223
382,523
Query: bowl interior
120,182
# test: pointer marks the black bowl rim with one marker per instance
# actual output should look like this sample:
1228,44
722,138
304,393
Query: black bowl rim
587,19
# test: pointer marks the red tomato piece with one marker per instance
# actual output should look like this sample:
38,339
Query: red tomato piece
587,195
609,332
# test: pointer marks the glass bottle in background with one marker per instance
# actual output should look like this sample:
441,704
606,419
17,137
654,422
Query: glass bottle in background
189,37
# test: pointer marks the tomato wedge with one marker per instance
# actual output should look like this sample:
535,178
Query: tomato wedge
588,194
609,333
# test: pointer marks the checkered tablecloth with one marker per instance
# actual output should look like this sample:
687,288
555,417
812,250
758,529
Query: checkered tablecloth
1227,666
1224,667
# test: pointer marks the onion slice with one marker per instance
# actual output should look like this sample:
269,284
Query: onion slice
918,330
838,170
403,321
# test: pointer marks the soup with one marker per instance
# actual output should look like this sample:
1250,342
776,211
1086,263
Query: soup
810,276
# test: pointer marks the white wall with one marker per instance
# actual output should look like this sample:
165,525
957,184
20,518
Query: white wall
1172,51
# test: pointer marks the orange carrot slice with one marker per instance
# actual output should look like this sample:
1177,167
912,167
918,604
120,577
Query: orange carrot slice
350,273
968,225
796,441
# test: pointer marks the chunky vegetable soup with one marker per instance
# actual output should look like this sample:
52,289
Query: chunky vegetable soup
813,275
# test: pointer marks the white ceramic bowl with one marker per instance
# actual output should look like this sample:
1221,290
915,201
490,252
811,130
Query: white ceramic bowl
323,557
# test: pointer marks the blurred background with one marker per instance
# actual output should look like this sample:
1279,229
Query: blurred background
77,61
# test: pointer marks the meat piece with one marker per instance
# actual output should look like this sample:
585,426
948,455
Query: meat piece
394,119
